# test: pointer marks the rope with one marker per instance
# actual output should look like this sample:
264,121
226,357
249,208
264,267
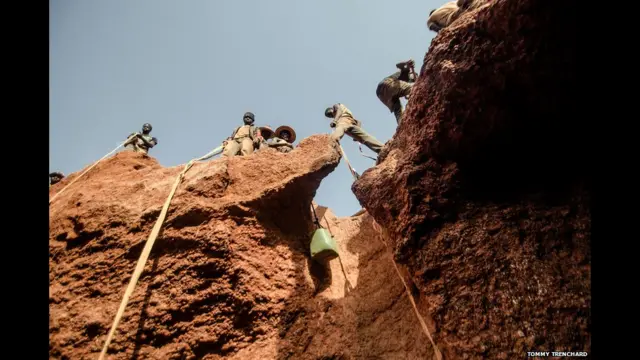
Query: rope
361,152
353,171
210,154
91,167
315,216
425,329
142,261
144,256
423,325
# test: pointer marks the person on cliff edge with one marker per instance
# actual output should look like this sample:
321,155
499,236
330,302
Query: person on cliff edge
267,134
395,86
244,138
284,138
446,14
344,123
142,142
278,139
55,177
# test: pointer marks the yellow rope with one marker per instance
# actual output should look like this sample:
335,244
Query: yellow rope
425,329
91,167
144,256
142,261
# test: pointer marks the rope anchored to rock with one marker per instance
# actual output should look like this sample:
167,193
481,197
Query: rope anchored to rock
144,256
355,175
365,155
316,221
86,171
423,324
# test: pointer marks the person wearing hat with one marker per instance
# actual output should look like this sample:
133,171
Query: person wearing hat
244,137
267,134
142,142
344,123
55,177
284,138
446,14
280,140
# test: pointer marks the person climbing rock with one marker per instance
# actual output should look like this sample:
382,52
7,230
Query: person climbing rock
344,123
395,86
142,142
55,177
244,138
446,14
284,138
468,5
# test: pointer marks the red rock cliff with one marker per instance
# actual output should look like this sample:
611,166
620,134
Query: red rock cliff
483,188
230,275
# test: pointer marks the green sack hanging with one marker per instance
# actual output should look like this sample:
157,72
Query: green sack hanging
323,246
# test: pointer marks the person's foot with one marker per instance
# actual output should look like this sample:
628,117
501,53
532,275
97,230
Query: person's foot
378,158
383,156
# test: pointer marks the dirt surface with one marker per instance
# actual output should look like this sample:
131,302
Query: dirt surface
484,188
230,275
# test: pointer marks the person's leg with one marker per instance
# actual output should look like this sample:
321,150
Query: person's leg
400,89
231,149
338,132
360,135
385,94
404,88
247,146
263,145
397,110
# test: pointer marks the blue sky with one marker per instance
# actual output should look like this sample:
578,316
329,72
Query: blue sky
192,68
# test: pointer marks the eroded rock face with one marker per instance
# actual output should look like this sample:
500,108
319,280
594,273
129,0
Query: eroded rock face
484,187
230,275
231,252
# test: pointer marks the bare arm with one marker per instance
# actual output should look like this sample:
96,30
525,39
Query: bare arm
130,139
